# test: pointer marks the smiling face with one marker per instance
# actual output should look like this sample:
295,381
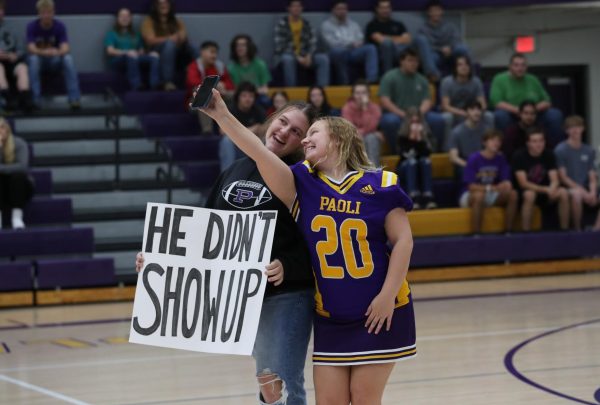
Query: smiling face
286,131
317,144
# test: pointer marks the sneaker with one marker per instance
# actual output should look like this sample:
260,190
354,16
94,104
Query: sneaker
431,205
416,206
17,223
75,105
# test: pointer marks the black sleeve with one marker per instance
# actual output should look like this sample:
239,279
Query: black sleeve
550,160
296,263
368,31
518,161
401,27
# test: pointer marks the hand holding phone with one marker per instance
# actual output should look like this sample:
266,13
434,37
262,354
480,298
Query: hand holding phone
204,92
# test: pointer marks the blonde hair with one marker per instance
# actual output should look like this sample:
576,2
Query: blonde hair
8,150
351,149
41,4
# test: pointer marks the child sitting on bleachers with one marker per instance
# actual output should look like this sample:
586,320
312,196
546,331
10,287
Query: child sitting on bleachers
414,169
16,189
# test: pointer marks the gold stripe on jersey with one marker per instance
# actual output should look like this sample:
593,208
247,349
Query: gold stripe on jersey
319,301
406,353
295,209
388,179
345,185
306,163
402,297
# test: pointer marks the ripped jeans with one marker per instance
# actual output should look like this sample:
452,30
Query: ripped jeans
282,341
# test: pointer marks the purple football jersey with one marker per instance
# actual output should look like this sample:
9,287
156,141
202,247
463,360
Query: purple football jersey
343,225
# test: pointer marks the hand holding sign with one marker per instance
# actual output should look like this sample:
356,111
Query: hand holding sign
200,287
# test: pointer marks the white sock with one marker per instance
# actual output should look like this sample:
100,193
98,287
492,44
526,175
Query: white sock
17,218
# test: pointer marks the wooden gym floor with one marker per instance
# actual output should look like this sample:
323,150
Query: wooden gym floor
506,341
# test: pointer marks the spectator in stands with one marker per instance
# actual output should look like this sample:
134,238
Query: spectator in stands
391,37
345,42
401,89
165,34
125,51
246,66
365,116
16,189
13,68
48,48
208,64
442,38
509,89
487,182
247,111
575,161
516,133
296,44
414,170
278,100
457,90
467,138
317,98
537,179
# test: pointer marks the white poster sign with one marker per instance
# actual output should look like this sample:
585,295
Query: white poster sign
203,281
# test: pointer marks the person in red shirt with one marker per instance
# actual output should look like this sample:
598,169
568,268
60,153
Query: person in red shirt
206,65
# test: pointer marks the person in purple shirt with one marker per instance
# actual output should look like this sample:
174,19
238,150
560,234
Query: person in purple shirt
487,182
48,48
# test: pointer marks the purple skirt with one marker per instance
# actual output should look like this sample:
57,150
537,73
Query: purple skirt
343,343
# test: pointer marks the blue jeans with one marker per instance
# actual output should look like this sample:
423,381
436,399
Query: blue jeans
38,64
282,341
551,119
169,52
228,152
132,66
390,123
320,62
433,60
365,54
414,172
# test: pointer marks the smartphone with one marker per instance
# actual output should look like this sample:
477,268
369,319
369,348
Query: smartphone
204,93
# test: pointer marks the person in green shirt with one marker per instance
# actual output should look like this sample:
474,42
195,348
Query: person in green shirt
513,87
401,89
245,66
125,51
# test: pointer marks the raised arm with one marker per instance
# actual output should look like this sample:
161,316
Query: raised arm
275,172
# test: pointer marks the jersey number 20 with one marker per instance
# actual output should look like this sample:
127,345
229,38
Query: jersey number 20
330,246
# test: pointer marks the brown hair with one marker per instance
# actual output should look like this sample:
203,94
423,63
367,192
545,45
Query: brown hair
8,150
492,133
351,147
574,121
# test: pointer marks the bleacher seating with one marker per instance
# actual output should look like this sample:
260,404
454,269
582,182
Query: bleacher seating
172,124
519,247
457,221
59,273
16,276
